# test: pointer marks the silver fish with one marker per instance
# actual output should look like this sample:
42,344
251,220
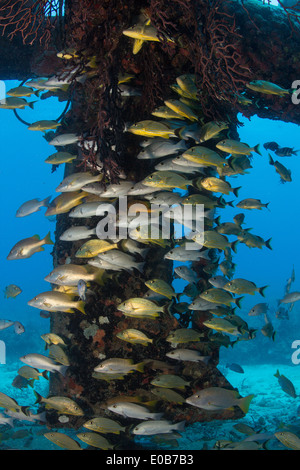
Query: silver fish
43,362
77,233
132,410
32,206
188,355
186,273
148,428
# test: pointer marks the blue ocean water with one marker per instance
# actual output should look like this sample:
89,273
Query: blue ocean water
24,175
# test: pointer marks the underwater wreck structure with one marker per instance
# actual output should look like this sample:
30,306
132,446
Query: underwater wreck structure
115,80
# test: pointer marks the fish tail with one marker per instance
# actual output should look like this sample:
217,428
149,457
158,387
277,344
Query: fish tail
80,306
140,367
39,398
268,244
233,245
47,239
168,308
25,410
261,290
63,370
45,374
238,301
180,426
140,267
99,277
257,149
236,191
244,403
271,161
277,374
217,220
31,104
46,201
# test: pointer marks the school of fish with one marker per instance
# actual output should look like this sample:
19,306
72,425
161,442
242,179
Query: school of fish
191,161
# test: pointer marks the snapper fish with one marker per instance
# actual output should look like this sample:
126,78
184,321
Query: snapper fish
28,246
148,428
119,366
166,180
43,125
22,91
60,157
269,88
62,440
251,203
190,355
213,184
258,309
204,156
290,298
211,130
236,147
64,139
133,410
95,440
15,103
53,301
34,205
131,335
217,398
77,233
63,405
104,425
243,286
220,296
38,361
150,128
76,181
254,241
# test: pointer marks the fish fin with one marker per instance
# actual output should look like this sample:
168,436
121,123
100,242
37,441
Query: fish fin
244,403
217,220
47,239
140,267
257,149
233,245
236,191
46,201
238,301
99,277
268,244
25,410
63,370
80,306
37,237
180,426
261,290
31,104
168,308
38,397
140,367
